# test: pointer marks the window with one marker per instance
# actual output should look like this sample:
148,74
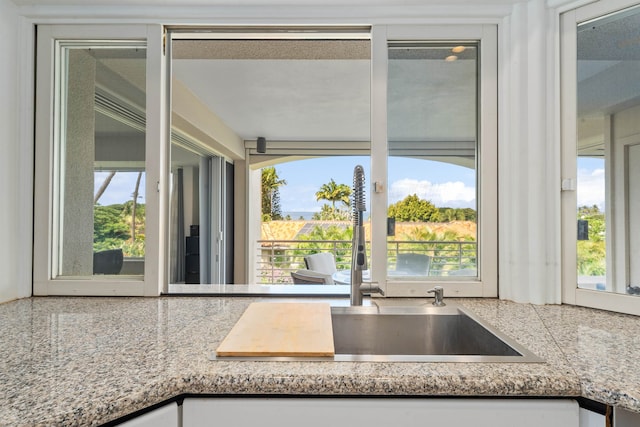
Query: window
311,212
92,198
432,128
305,93
601,141
201,183
325,92
441,143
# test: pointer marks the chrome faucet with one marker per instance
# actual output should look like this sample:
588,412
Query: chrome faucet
359,249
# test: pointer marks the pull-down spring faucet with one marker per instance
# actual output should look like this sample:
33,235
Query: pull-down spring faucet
359,249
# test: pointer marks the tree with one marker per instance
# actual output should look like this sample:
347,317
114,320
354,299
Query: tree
134,205
592,253
333,193
103,187
469,214
448,214
109,228
271,194
597,222
339,239
120,225
327,213
446,247
136,223
413,209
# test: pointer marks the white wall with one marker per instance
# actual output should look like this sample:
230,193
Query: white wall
12,195
529,157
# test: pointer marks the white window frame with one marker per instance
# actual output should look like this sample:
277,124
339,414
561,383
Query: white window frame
486,284
571,294
156,166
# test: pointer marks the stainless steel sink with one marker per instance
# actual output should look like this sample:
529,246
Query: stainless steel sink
413,334
420,334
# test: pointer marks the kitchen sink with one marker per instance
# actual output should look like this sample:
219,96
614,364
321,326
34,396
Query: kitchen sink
423,333
420,334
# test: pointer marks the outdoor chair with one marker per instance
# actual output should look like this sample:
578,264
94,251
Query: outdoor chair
108,262
308,277
322,262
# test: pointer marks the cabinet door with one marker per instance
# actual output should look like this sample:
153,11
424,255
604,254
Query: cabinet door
165,416
373,412
622,418
591,419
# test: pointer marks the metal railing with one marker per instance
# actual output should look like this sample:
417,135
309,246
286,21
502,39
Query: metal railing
278,258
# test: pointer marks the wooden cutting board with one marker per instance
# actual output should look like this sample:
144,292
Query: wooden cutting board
281,329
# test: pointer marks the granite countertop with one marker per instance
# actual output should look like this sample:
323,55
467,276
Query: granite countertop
87,361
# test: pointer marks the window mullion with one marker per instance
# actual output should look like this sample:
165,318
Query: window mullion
379,71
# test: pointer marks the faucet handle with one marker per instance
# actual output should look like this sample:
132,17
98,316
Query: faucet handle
438,292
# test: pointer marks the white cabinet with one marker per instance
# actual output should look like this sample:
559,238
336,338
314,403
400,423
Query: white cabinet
591,419
374,412
165,416
624,418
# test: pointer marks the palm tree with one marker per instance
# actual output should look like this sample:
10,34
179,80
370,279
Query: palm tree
334,193
270,193
103,187
134,207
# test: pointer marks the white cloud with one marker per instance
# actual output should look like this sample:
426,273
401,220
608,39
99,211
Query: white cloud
453,194
591,188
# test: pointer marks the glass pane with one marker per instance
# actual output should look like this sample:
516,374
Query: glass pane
309,211
100,154
608,157
432,128
310,100
184,212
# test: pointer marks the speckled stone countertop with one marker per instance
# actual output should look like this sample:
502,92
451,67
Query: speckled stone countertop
87,361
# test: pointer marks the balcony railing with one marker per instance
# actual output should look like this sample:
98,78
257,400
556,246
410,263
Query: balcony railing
278,258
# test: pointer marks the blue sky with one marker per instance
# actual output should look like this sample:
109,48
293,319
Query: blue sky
591,185
443,184
120,188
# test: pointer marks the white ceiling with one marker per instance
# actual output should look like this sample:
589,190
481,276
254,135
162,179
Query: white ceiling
609,63
315,91
328,99
289,100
